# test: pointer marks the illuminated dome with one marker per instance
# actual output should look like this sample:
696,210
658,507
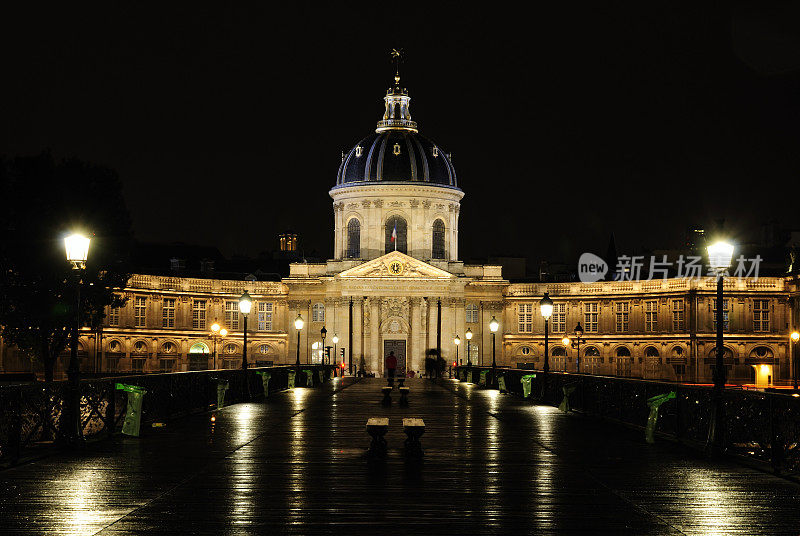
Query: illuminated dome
396,152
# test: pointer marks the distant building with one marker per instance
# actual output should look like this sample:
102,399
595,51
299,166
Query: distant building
396,283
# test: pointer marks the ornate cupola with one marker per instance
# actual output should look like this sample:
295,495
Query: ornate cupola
397,114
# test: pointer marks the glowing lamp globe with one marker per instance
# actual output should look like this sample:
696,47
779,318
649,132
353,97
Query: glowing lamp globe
494,325
77,248
546,306
468,334
720,255
298,322
245,303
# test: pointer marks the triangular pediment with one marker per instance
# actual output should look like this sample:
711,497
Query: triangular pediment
396,265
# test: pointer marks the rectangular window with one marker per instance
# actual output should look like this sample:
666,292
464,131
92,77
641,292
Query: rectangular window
140,311
168,313
622,312
590,314
472,313
526,318
264,316
559,319
651,315
113,316
199,314
760,315
232,315
726,319
678,315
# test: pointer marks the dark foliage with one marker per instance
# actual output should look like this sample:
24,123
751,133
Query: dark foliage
41,201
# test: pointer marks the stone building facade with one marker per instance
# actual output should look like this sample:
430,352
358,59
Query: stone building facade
395,283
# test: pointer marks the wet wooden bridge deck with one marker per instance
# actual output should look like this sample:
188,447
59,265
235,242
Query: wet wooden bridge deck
297,464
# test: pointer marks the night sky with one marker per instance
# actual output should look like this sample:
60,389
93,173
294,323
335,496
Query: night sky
227,125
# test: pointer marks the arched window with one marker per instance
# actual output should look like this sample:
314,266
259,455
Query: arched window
761,353
231,349
264,349
591,351
651,351
353,239
114,346
318,312
623,352
558,351
168,348
139,347
396,235
623,362
198,348
437,249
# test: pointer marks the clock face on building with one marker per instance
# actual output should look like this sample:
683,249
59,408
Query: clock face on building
395,267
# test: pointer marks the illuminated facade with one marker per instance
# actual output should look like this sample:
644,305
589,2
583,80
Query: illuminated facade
395,283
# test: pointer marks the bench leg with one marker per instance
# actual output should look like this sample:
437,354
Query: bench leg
413,445
378,445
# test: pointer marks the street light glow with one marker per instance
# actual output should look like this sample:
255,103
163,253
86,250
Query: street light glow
565,341
468,334
77,249
457,340
795,336
720,255
494,325
546,306
298,322
245,303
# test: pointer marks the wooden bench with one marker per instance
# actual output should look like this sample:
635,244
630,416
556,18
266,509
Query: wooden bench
404,396
377,428
414,428
387,396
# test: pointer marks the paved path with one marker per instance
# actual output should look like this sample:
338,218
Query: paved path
297,464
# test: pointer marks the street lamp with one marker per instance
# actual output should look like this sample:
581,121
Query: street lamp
468,335
77,250
576,344
298,325
323,332
457,342
546,307
795,360
214,332
719,259
494,325
335,340
245,304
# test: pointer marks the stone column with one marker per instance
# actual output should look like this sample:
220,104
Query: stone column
376,360
415,362
460,327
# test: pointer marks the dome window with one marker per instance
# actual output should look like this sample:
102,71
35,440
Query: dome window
396,150
359,151
438,249
435,151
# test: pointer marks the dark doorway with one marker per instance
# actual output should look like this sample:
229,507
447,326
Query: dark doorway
399,349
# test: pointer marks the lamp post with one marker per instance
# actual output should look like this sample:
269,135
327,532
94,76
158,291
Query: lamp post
468,335
298,325
494,325
546,307
245,304
335,340
214,331
719,259
77,250
577,345
323,332
566,342
795,359
457,342
222,334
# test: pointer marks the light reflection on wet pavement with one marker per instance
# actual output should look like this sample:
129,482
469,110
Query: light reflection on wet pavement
297,464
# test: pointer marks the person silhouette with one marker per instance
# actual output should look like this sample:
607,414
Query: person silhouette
391,364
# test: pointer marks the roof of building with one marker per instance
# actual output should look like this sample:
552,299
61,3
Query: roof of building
396,152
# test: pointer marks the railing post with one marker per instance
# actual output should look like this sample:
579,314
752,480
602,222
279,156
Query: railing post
111,408
776,444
